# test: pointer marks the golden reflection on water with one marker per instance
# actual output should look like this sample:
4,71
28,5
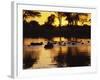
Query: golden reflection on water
45,57
44,60
57,39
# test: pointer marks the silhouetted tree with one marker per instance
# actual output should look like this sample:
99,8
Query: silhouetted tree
50,19
75,18
69,18
72,18
48,27
59,16
27,13
30,27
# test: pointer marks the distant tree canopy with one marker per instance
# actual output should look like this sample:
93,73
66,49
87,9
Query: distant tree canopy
30,13
71,17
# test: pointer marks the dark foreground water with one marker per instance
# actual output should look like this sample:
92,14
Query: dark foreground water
58,56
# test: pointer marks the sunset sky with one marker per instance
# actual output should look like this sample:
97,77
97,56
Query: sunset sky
44,16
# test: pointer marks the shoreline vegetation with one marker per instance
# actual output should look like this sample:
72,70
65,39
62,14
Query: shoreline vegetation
34,30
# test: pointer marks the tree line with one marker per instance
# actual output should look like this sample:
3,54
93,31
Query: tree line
34,29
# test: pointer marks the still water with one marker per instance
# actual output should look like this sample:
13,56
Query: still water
59,56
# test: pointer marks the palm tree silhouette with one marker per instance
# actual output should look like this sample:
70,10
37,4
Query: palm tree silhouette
72,18
59,16
50,19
